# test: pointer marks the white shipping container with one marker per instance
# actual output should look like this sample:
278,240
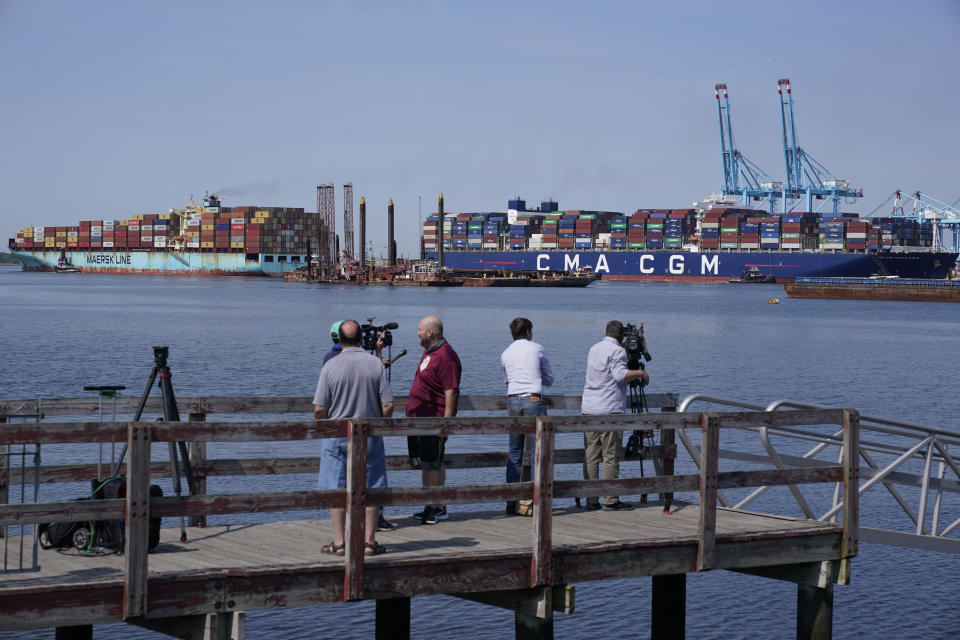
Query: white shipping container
193,223
237,220
96,229
144,238
193,245
212,210
108,243
72,234
146,227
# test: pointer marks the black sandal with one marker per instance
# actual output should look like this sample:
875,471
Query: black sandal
373,549
332,549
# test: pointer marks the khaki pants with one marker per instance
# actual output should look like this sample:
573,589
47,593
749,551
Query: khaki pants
605,446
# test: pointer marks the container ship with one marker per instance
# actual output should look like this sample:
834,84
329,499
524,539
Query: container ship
202,239
711,244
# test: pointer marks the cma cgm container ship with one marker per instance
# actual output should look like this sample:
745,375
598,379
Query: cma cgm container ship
196,240
699,245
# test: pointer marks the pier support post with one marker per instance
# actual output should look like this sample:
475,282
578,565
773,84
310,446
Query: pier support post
668,615
814,612
393,619
527,627
198,456
4,473
78,632
534,619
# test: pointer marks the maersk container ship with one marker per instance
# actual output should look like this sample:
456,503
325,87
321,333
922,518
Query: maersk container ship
198,240
699,245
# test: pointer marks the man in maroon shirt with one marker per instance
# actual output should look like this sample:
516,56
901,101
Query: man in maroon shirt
434,394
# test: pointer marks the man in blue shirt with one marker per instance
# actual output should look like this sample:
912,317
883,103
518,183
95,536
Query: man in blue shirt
605,391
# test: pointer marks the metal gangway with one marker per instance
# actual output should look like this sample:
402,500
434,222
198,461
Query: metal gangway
901,461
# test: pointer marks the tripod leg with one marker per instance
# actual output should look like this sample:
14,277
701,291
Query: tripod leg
177,489
171,414
136,417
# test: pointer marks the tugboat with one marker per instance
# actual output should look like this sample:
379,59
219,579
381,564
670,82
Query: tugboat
754,275
64,265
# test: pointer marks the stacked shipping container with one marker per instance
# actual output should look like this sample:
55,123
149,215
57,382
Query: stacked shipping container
244,229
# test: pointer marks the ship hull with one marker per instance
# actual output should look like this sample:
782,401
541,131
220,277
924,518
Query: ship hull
875,289
164,262
706,266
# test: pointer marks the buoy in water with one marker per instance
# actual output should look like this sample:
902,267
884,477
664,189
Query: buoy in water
773,301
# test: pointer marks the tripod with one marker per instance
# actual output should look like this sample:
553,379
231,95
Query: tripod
170,414
643,439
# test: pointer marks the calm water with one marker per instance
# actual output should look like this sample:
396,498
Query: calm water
264,337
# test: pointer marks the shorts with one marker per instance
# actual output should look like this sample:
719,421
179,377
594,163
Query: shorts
426,451
333,463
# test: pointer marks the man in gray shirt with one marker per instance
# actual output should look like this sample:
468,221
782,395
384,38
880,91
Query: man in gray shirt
605,391
352,385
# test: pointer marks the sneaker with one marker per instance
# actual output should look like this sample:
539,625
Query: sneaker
385,525
441,512
618,506
429,516
593,506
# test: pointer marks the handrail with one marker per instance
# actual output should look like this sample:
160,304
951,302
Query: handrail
138,507
925,443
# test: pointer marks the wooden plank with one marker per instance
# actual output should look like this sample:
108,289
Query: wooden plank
275,404
773,477
707,530
541,567
63,432
793,417
137,525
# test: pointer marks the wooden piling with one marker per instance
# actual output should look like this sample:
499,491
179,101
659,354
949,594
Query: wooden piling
668,607
393,619
814,612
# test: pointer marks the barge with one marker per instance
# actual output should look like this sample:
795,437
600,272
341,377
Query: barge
875,289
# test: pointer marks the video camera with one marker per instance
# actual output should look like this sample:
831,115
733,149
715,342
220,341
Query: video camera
371,333
635,344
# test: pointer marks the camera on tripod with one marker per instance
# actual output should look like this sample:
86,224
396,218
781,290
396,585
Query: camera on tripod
635,344
371,333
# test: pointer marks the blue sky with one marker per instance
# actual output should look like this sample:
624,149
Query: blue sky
116,108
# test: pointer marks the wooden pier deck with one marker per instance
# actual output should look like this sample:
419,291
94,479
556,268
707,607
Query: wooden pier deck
523,563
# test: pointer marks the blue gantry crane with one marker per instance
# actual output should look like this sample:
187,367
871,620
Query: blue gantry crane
741,177
807,179
945,218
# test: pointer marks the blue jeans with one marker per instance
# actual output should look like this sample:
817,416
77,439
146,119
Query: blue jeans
521,406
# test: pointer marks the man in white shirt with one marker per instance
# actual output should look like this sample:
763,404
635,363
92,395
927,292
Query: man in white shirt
526,371
605,391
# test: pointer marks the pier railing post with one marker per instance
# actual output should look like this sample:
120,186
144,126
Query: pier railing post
668,448
198,457
4,472
851,495
541,568
709,450
137,521
356,499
